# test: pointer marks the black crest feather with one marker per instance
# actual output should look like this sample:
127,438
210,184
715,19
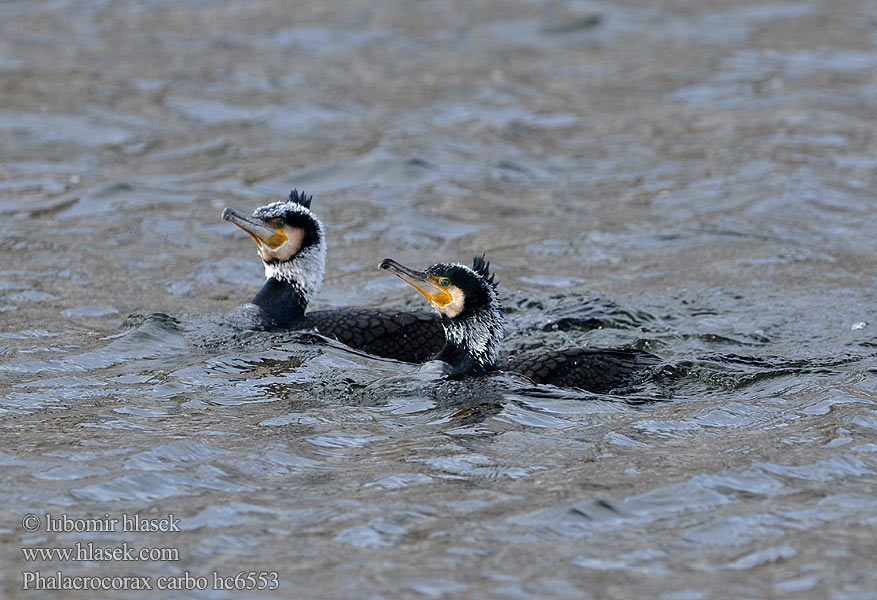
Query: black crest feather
482,267
300,198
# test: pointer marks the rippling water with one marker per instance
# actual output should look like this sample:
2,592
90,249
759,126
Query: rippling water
694,179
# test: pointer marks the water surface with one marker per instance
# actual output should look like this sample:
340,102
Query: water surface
695,180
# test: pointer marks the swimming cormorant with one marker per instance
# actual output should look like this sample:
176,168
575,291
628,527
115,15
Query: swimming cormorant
292,246
465,299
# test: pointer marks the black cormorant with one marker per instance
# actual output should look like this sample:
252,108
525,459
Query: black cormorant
292,246
465,299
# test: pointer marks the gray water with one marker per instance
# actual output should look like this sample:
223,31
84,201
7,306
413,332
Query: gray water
695,179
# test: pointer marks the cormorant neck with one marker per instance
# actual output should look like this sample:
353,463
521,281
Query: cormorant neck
282,302
461,361
291,284
472,343
304,271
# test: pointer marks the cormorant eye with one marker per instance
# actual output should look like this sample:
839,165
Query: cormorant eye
444,282
279,223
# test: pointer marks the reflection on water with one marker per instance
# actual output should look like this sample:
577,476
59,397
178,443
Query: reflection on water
692,182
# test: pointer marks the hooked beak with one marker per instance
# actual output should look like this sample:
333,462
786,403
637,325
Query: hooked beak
422,282
263,234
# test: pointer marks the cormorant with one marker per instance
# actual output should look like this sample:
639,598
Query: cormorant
466,301
292,246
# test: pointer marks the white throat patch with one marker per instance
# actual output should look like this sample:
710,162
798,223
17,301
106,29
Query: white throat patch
304,270
455,306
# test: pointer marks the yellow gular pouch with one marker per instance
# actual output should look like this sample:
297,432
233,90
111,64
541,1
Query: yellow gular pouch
276,240
273,241
282,245
438,295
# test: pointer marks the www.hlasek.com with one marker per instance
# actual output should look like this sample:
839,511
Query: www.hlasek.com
243,581
93,552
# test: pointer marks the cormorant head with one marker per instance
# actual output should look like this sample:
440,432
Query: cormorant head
465,298
290,240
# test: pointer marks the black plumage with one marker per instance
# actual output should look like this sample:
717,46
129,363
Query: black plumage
407,336
597,370
292,246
